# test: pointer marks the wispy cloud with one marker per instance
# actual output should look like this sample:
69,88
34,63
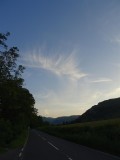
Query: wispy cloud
113,93
100,80
59,64
115,39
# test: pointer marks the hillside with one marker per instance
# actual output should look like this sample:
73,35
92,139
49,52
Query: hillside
104,110
60,120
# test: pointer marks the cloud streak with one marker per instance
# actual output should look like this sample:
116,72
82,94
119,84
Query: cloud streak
115,39
60,64
101,80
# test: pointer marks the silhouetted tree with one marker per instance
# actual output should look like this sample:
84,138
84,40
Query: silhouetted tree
16,102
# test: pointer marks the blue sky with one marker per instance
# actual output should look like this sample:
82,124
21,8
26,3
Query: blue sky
70,48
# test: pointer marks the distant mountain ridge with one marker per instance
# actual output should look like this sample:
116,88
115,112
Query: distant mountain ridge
60,120
107,109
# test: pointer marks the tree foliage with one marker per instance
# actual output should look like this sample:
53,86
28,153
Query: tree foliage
16,102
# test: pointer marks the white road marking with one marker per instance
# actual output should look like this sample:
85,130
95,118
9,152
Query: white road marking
20,154
68,157
42,137
53,146
26,139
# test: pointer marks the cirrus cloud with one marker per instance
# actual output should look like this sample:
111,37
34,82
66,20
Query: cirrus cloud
100,80
59,64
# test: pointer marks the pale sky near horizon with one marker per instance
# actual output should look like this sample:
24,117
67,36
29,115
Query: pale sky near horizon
70,48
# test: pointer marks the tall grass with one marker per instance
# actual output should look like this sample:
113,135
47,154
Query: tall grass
103,135
17,142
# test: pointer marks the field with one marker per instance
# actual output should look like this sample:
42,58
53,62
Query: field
102,135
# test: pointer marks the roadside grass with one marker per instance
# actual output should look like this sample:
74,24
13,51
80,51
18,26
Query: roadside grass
16,143
102,135
2,150
20,140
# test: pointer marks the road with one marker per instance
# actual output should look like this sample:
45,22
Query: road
41,146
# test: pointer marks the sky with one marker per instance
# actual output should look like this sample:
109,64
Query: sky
70,48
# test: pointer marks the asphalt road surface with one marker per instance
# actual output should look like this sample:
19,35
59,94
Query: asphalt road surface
41,146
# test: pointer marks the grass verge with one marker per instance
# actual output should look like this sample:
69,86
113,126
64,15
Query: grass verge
16,143
2,150
20,140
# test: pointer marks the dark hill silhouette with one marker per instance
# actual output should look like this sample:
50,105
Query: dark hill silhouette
60,120
107,109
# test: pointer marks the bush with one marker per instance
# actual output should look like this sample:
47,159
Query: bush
6,133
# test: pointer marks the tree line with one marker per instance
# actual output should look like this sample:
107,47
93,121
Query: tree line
17,110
